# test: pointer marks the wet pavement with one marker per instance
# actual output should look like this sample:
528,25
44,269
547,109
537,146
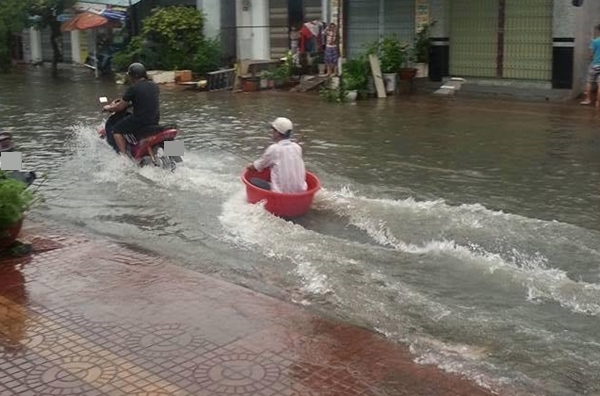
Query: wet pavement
84,316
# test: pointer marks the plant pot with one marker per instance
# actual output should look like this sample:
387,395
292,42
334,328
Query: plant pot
271,84
422,69
264,83
334,82
250,85
9,234
391,82
183,76
408,73
322,68
352,95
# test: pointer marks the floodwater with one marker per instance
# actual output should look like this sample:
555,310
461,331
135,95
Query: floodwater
467,229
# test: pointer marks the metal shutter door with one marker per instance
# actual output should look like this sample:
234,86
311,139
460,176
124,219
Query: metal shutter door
362,25
399,19
528,39
67,48
278,28
473,38
313,9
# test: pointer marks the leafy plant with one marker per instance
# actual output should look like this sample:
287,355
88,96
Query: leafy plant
284,71
172,38
207,57
12,19
15,200
420,50
392,53
355,73
334,94
44,13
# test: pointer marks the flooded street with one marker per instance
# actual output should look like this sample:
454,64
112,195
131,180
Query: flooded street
467,229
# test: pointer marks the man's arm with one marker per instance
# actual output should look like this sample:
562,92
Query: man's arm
263,162
121,104
117,106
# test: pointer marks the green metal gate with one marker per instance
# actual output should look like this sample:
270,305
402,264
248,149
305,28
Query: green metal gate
473,38
528,40
278,28
371,20
501,38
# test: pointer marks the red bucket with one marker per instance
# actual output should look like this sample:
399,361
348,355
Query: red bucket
281,204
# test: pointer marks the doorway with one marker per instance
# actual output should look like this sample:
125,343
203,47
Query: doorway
296,13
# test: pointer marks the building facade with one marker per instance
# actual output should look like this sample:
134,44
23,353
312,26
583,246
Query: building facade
542,42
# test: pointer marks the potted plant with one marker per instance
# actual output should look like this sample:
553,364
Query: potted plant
281,76
392,56
420,50
264,80
15,200
355,77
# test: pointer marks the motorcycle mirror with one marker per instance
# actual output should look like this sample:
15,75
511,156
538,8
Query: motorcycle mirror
103,99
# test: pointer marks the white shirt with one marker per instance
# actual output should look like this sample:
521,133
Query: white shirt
288,174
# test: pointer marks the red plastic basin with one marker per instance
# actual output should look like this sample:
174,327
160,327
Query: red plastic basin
281,204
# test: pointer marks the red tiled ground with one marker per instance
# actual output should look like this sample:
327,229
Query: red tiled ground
82,317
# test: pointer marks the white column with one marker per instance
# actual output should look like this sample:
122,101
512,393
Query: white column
76,46
261,45
244,32
325,15
212,12
36,45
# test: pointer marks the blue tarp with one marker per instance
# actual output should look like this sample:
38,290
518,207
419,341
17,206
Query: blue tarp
114,15
120,3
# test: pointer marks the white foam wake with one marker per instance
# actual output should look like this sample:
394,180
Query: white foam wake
533,271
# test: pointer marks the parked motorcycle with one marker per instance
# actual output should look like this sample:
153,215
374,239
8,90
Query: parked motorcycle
103,62
150,150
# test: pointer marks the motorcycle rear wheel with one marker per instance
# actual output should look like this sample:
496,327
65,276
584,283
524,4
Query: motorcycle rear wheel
164,161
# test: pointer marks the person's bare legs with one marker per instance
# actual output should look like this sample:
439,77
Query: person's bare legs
121,143
586,94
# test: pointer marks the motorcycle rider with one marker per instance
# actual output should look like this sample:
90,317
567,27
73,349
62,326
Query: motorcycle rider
143,95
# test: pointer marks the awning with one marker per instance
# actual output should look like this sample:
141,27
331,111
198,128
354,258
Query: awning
88,20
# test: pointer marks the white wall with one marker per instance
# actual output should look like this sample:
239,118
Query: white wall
212,10
76,46
253,32
36,45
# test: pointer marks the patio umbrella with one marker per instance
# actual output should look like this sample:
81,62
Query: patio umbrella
85,20
88,20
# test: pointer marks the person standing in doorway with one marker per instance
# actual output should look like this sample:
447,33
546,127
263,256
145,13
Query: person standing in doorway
594,69
331,50
294,38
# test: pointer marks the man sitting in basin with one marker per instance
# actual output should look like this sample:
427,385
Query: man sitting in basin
284,157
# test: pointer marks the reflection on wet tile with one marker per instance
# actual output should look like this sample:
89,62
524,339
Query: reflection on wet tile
91,318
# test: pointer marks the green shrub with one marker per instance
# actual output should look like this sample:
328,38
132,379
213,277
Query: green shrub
208,57
172,39
355,73
15,199
334,94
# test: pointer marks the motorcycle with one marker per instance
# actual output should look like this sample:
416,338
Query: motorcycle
150,150
103,62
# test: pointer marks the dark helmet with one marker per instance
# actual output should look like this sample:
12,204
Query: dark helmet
137,70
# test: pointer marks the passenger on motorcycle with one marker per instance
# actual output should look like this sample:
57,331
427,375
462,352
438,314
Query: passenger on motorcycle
143,95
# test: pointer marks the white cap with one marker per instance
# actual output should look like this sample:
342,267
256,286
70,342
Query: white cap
282,125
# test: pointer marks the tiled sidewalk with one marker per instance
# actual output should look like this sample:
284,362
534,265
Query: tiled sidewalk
83,317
